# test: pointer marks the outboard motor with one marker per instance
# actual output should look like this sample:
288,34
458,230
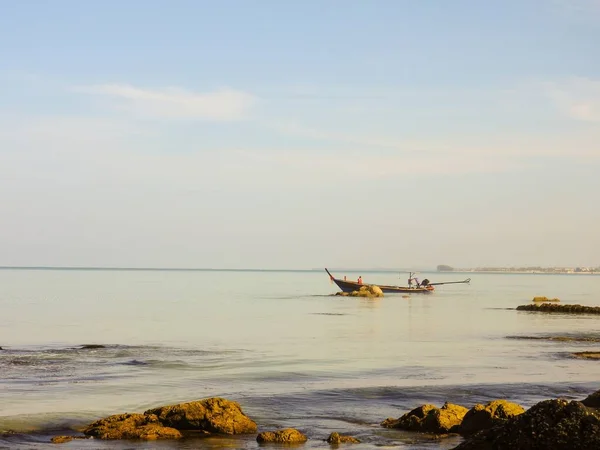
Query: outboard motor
425,282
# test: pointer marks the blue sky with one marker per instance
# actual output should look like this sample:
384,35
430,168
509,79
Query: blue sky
270,134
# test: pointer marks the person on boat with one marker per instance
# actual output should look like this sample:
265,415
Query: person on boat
410,281
359,279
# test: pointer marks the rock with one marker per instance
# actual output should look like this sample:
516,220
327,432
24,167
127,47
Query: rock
551,424
63,439
337,438
215,415
482,417
91,346
343,294
446,419
586,355
130,426
592,400
287,436
545,299
554,308
430,419
411,421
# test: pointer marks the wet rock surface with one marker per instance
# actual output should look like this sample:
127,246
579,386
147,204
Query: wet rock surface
64,439
337,438
214,415
552,424
131,426
483,417
587,355
592,400
554,308
430,419
285,436
560,338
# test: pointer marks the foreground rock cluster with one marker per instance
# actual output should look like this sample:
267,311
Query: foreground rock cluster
554,308
555,424
212,416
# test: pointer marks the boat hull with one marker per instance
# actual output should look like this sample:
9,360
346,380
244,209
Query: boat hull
350,286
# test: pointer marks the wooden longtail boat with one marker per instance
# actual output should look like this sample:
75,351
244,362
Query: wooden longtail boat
424,288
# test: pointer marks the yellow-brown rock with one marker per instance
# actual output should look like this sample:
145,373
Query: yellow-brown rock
285,436
337,438
214,415
483,417
61,439
130,426
430,419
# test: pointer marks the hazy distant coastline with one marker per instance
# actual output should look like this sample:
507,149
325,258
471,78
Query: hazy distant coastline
533,269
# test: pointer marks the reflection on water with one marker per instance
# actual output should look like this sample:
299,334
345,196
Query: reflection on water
279,343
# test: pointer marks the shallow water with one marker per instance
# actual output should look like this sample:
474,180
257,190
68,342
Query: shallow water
282,346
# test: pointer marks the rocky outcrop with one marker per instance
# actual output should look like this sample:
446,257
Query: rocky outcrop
483,417
554,308
430,419
130,426
285,436
551,424
214,415
586,355
592,400
337,438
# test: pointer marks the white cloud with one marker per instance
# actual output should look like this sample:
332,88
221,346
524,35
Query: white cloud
577,97
172,102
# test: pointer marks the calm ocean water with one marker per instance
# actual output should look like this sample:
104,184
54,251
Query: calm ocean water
279,344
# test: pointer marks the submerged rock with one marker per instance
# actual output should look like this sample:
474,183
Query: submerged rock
337,438
430,419
215,415
92,346
64,439
130,426
586,355
554,308
287,435
551,424
483,417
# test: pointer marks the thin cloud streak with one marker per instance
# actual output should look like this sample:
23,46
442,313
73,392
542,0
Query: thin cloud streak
578,97
172,102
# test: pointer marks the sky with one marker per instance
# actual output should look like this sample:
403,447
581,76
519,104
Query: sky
323,133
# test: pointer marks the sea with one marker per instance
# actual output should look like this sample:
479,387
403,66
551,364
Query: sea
283,346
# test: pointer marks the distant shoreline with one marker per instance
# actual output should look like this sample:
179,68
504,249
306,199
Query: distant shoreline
345,270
